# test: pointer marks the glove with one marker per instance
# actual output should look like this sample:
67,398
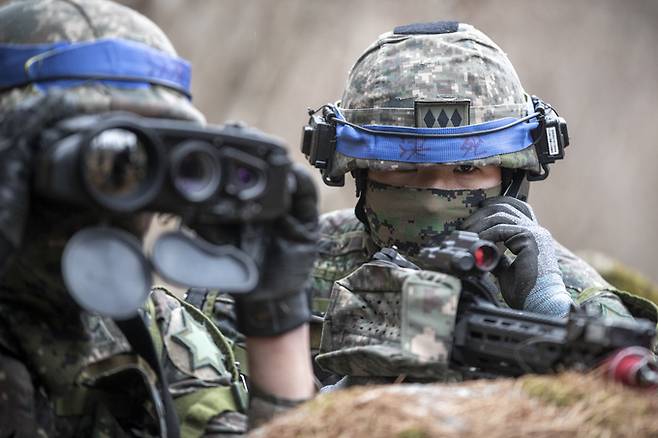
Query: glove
18,129
532,280
280,303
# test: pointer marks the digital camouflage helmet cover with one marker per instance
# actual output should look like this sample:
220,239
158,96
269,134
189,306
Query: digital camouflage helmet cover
434,93
51,28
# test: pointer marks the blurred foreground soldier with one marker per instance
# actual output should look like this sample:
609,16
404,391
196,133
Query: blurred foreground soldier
439,135
80,354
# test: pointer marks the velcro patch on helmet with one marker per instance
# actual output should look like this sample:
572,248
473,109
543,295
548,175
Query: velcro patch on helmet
435,27
442,114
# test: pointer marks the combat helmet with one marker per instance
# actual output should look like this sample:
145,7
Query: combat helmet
55,29
435,93
90,57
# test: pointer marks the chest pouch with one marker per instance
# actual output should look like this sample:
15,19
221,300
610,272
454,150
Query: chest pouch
384,320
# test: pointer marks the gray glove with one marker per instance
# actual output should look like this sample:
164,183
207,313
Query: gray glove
532,280
280,302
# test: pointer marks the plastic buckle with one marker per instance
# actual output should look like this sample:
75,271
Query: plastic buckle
240,393
319,143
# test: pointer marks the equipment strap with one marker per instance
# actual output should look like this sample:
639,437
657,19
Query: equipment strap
433,145
197,408
117,61
140,340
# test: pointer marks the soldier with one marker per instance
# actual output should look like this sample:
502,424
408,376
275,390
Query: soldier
412,191
67,371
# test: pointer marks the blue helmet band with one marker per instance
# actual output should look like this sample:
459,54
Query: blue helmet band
118,62
434,145
337,146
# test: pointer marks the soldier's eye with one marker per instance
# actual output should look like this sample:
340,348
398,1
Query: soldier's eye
465,168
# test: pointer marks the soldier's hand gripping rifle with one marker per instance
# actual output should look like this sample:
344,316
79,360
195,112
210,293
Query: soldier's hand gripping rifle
490,340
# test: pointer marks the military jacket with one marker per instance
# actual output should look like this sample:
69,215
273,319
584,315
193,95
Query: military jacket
345,246
66,372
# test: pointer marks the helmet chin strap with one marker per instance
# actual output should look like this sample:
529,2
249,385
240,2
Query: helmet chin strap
361,179
515,184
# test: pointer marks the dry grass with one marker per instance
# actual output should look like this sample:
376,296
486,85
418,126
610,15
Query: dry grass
567,405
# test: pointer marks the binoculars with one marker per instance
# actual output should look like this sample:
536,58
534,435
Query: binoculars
122,163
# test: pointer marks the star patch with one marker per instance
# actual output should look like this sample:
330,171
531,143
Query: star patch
202,348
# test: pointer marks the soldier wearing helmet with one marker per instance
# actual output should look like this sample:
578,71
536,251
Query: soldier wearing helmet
439,134
66,370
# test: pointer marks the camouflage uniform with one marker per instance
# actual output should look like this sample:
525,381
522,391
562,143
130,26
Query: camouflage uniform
74,374
78,373
420,76
345,245
64,371
362,328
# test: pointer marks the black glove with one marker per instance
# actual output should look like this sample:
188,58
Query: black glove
532,280
280,303
18,129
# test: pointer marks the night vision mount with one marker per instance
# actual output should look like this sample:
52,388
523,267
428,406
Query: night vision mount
550,137
319,139
319,143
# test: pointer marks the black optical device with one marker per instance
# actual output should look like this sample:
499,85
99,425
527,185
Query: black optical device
319,139
123,163
490,341
550,138
461,253
319,143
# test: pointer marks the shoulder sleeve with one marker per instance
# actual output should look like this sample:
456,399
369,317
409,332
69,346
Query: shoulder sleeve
591,291
204,381
341,249
576,273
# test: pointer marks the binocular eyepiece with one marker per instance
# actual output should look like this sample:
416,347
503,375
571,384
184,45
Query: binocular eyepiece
124,163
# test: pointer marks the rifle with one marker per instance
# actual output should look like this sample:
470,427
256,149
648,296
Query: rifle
491,340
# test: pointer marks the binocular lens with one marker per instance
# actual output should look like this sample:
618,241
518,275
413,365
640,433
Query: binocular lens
246,182
196,172
245,177
116,163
